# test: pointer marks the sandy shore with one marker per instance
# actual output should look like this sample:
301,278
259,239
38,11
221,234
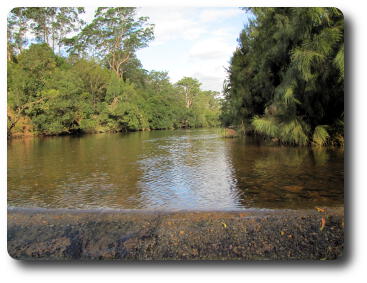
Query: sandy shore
183,235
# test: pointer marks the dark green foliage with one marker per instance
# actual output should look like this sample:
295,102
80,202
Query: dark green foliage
100,85
64,96
286,78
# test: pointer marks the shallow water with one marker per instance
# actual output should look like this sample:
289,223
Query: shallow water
181,169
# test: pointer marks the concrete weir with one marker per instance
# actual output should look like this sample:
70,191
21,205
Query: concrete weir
138,235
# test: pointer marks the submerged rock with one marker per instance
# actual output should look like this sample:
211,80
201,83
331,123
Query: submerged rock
230,133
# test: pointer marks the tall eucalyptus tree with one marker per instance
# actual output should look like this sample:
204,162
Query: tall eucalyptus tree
113,36
48,25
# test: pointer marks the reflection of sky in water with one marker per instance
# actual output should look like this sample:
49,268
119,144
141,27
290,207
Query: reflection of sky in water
182,169
189,174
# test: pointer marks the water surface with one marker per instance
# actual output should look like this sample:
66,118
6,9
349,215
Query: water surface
181,169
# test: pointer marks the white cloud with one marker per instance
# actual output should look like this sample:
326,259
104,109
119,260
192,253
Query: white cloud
210,82
195,42
214,47
218,14
210,73
173,23
190,41
209,58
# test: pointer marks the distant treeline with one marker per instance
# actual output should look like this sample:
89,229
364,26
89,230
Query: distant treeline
92,81
286,78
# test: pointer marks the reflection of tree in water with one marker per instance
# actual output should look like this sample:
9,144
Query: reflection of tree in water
170,169
287,177
76,171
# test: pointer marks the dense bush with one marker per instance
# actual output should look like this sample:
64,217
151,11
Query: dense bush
286,78
78,90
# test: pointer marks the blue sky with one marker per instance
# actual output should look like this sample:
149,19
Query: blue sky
191,41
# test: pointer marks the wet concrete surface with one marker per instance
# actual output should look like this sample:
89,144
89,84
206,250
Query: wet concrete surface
60,234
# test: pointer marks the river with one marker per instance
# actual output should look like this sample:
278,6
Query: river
174,169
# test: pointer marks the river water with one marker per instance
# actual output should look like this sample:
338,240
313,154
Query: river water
180,169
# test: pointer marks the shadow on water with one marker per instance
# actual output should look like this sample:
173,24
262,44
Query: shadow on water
287,177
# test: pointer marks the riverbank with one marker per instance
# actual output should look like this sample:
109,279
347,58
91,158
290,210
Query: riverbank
184,235
26,135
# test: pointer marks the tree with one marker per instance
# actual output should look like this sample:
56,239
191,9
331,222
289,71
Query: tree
190,88
286,78
16,31
94,78
48,25
114,36
159,81
41,20
27,80
65,108
66,21
51,94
